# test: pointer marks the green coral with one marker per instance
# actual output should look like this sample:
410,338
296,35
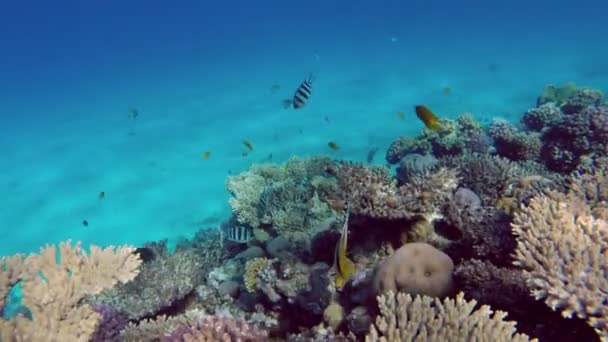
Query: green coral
285,198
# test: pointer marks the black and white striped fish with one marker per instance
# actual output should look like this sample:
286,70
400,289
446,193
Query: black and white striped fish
239,234
302,94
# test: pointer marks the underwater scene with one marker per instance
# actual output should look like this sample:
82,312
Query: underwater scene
304,171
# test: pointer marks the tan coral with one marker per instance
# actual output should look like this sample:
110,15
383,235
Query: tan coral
416,268
565,251
405,318
55,302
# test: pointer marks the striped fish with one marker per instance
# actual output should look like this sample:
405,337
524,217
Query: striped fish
239,234
302,94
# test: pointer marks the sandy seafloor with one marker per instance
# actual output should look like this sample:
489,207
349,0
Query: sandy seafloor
58,154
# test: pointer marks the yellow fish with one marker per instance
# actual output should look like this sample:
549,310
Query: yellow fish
344,266
206,155
430,120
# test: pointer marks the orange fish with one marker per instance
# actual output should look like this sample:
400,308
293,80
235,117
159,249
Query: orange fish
400,115
333,145
430,120
248,144
101,195
206,155
447,90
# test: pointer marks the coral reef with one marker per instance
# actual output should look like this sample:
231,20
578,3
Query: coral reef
416,268
286,199
565,251
514,144
465,135
372,192
53,290
422,318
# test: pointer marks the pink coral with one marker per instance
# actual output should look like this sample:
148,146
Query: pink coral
217,328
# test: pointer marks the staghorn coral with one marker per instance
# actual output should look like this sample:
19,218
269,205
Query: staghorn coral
564,250
422,318
53,290
161,283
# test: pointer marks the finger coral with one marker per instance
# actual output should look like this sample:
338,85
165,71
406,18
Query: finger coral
53,290
405,318
565,252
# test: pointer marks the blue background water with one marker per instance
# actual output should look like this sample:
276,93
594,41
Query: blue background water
200,73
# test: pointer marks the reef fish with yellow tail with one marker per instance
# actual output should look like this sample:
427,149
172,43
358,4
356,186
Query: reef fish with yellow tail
430,120
344,266
300,97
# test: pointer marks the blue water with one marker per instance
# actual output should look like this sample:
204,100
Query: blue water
200,74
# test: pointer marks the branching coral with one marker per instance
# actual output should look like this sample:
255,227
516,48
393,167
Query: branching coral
403,318
161,282
565,251
514,144
194,325
374,193
285,198
53,290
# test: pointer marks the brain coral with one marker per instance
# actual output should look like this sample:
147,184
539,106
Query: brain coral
416,268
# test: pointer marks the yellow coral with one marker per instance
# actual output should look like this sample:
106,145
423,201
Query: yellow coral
252,268
53,291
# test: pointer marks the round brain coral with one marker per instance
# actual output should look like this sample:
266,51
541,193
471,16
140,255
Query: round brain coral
416,268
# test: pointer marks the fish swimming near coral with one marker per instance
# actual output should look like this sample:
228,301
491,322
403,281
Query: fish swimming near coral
344,266
400,115
301,96
430,120
101,195
333,145
371,154
248,144
239,234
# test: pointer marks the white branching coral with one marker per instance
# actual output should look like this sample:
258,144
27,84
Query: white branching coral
564,250
405,318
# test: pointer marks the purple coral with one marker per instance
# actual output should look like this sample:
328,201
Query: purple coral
217,328
110,324
514,144
545,115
